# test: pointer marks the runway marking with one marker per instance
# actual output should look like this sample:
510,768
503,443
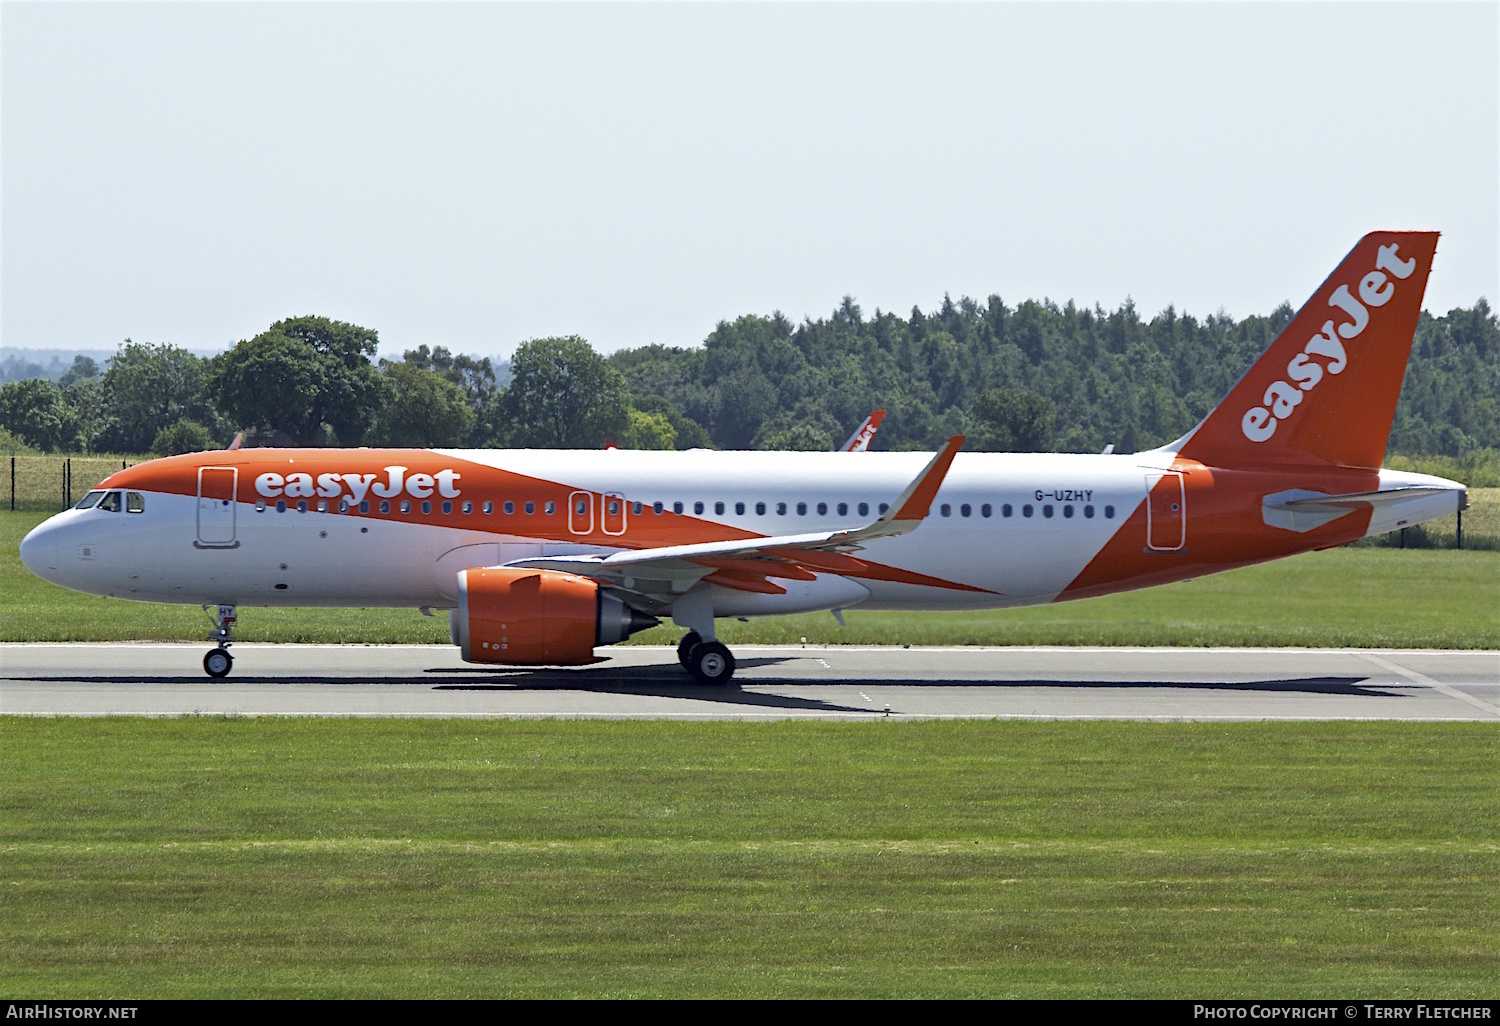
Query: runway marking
1436,685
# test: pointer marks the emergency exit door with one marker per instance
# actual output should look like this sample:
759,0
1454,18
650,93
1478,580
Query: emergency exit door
216,506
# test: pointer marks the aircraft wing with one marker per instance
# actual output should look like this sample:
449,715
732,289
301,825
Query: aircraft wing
747,563
860,440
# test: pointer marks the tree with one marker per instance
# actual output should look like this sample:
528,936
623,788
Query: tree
688,433
34,411
147,388
796,438
563,395
475,376
83,367
648,431
1012,420
302,376
184,436
421,408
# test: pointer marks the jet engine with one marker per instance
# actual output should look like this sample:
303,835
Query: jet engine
537,617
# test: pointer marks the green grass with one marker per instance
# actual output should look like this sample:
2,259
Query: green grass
1364,597
212,857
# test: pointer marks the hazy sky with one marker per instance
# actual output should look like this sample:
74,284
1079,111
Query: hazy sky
474,175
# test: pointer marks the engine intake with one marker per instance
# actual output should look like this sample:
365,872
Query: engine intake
537,617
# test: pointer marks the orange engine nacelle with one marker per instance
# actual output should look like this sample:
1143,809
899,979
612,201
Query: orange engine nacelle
537,617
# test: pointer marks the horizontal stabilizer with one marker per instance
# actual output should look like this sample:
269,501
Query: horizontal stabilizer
1301,510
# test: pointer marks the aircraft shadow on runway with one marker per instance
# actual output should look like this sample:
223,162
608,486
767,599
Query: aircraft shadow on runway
666,681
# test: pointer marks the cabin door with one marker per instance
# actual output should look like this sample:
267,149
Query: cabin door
216,506
1166,512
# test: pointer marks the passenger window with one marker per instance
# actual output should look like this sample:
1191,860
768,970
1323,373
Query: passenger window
581,507
946,510
781,509
1068,511
718,509
467,507
698,509
385,505
985,510
364,506
656,507
89,501
802,509
635,508
322,505
343,505
1109,512
1006,510
1088,512
864,509
302,506
614,507
1047,510
281,506
760,509
965,510
110,502
509,507
530,508
739,509
822,509
260,505
843,509
550,508
405,505
1027,510
883,507
489,507
135,502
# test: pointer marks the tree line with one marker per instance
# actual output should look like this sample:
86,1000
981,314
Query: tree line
1031,377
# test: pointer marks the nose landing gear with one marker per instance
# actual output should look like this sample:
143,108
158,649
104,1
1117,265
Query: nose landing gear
218,661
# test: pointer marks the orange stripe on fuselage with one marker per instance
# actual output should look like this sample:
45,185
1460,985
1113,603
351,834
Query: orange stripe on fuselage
1225,528
476,483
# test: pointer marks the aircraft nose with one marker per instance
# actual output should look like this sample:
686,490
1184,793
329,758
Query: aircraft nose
39,549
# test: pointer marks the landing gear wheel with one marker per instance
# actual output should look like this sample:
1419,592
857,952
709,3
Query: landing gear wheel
218,662
685,647
710,663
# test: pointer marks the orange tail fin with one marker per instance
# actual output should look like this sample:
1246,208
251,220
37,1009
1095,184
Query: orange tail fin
1325,390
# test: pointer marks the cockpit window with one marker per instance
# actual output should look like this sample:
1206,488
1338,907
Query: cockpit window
135,502
110,502
89,501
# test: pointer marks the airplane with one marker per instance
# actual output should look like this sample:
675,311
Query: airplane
542,556
863,435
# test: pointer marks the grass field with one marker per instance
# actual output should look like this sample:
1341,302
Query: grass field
1370,597
213,857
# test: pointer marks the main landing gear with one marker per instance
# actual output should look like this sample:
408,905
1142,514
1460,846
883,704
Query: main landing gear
708,661
218,662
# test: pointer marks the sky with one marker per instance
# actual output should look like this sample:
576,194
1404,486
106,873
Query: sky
473,175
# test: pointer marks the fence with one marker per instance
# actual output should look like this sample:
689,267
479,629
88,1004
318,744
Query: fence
47,484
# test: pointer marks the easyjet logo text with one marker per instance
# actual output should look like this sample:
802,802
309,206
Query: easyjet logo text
392,481
1375,290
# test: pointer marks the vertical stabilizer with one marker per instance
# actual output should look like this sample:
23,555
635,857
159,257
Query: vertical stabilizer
1325,391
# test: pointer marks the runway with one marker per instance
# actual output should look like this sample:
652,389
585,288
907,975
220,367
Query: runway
834,682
